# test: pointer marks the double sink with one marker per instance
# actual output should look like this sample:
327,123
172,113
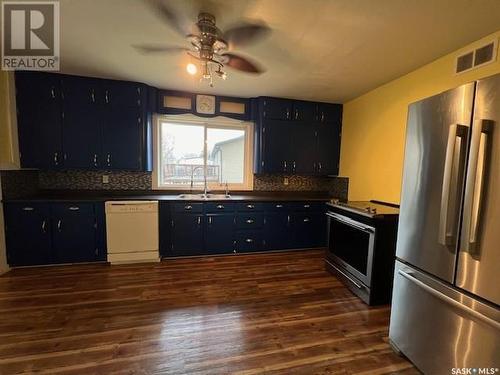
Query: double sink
206,197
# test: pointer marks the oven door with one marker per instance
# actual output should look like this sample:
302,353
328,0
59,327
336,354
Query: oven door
350,246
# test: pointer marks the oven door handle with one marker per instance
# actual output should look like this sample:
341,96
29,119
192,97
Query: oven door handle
352,223
345,275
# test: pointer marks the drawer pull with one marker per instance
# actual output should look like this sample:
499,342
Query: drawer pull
279,206
307,205
220,207
74,208
306,220
250,221
28,209
44,226
250,206
249,240
188,207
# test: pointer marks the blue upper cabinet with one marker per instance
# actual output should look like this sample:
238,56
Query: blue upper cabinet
305,111
82,123
276,109
38,97
296,136
125,139
85,123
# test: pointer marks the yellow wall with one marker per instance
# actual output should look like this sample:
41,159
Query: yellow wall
9,155
373,131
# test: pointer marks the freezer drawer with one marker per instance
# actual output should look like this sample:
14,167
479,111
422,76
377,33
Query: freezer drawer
439,328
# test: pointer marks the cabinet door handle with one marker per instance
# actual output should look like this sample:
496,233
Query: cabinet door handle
95,160
92,95
44,226
320,166
288,114
59,225
56,158
251,206
220,207
296,114
199,220
188,207
106,96
249,240
322,116
74,208
284,166
210,220
306,220
108,159
294,165
249,221
288,219
53,92
28,209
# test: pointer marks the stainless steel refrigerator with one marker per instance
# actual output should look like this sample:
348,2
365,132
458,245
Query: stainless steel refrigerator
445,307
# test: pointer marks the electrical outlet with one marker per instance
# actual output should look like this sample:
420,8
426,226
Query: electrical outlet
285,181
105,179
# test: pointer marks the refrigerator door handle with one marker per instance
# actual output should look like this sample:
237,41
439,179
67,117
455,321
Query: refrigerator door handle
443,297
457,135
474,184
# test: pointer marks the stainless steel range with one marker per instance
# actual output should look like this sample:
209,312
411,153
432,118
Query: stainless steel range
361,247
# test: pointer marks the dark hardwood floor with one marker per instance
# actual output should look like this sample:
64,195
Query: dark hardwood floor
277,313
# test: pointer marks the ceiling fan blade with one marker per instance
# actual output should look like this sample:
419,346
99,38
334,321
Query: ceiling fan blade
245,33
181,24
157,48
241,63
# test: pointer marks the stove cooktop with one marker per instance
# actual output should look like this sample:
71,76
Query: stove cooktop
366,208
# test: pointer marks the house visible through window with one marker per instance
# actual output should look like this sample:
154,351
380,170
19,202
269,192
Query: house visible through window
187,148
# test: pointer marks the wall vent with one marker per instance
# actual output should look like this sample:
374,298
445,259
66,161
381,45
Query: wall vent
476,58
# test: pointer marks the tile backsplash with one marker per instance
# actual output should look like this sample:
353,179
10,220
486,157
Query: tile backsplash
92,180
19,183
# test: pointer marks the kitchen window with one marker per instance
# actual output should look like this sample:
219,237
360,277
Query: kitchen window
187,148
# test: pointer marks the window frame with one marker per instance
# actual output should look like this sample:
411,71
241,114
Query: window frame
211,122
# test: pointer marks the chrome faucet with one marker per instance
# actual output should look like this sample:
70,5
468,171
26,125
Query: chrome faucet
227,189
192,177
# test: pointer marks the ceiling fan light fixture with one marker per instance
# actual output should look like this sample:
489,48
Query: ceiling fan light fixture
191,69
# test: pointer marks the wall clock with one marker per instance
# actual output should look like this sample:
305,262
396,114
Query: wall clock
205,104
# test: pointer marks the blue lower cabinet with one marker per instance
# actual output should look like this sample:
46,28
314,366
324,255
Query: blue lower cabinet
249,241
27,233
49,233
309,230
74,232
277,231
187,234
219,237
210,228
250,220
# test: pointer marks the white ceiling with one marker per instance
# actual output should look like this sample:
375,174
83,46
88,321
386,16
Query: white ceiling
331,50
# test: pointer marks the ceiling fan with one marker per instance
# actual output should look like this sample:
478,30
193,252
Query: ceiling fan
209,47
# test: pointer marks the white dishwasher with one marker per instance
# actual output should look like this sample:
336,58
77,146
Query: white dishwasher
132,231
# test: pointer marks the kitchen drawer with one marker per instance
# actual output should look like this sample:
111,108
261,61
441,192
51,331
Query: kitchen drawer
188,207
249,220
277,206
75,207
250,206
250,241
309,206
215,207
